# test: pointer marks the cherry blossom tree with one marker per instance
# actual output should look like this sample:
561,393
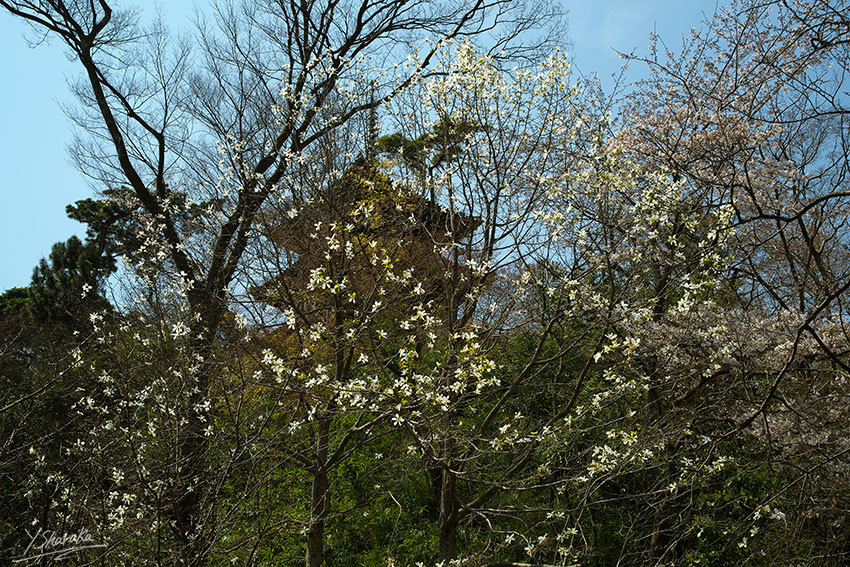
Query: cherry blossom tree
750,116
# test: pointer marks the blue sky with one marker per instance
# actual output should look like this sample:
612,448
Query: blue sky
38,179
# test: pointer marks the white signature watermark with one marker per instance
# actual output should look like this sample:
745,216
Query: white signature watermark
57,546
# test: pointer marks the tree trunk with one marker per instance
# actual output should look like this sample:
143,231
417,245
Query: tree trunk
319,497
659,540
448,510
655,413
188,499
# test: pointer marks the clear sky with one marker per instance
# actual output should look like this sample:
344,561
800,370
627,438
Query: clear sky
38,180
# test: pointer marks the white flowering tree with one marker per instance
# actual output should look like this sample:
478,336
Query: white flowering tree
515,331
47,330
749,116
345,275
201,149
486,145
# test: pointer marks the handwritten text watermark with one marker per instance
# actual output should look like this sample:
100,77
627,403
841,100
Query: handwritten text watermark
57,546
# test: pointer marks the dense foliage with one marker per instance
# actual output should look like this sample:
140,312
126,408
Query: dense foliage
450,309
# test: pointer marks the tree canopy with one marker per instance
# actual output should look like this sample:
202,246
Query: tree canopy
387,283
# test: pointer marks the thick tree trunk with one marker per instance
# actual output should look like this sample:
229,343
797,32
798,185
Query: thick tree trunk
316,531
448,508
655,413
319,498
189,505
448,540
